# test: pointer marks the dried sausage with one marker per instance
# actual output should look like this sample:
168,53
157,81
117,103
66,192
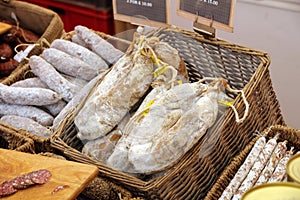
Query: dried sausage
75,101
28,96
29,83
81,52
273,161
32,112
280,171
69,64
256,169
27,124
98,45
55,81
244,169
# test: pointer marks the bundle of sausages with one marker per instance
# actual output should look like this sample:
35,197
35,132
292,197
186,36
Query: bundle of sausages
266,163
8,41
63,71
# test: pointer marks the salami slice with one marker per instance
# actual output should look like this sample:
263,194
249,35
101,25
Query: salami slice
40,176
6,188
22,182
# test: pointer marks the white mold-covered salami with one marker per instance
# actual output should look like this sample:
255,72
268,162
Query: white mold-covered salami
69,64
32,112
54,80
76,81
244,169
80,52
157,137
56,108
256,169
79,41
98,45
128,80
27,124
103,147
28,96
280,171
75,101
278,154
29,83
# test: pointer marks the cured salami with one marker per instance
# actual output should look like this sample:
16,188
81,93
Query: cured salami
280,170
24,181
6,188
81,52
98,45
244,169
275,158
158,135
124,85
41,176
256,169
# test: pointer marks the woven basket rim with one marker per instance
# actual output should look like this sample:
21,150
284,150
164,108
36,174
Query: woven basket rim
19,134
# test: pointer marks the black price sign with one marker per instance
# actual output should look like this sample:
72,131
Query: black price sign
143,12
215,13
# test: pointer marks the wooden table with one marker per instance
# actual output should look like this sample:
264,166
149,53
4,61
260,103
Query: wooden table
73,174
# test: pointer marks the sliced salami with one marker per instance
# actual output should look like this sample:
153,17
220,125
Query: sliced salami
20,182
40,176
6,188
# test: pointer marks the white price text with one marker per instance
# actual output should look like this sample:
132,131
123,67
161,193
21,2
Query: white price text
140,3
213,2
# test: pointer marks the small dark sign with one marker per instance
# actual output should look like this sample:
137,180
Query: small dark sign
146,12
219,13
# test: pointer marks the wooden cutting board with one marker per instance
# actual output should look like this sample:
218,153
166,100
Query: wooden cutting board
75,175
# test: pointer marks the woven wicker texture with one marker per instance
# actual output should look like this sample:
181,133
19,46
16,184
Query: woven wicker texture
197,171
289,134
12,138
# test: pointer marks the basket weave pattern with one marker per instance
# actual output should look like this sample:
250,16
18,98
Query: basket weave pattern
194,175
11,138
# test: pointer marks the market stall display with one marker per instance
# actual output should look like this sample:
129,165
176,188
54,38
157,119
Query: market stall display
245,173
244,69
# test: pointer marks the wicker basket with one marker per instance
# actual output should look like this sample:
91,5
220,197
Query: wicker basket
12,138
23,72
42,21
286,133
193,176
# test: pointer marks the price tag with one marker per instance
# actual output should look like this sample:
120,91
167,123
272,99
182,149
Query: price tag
216,13
141,12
